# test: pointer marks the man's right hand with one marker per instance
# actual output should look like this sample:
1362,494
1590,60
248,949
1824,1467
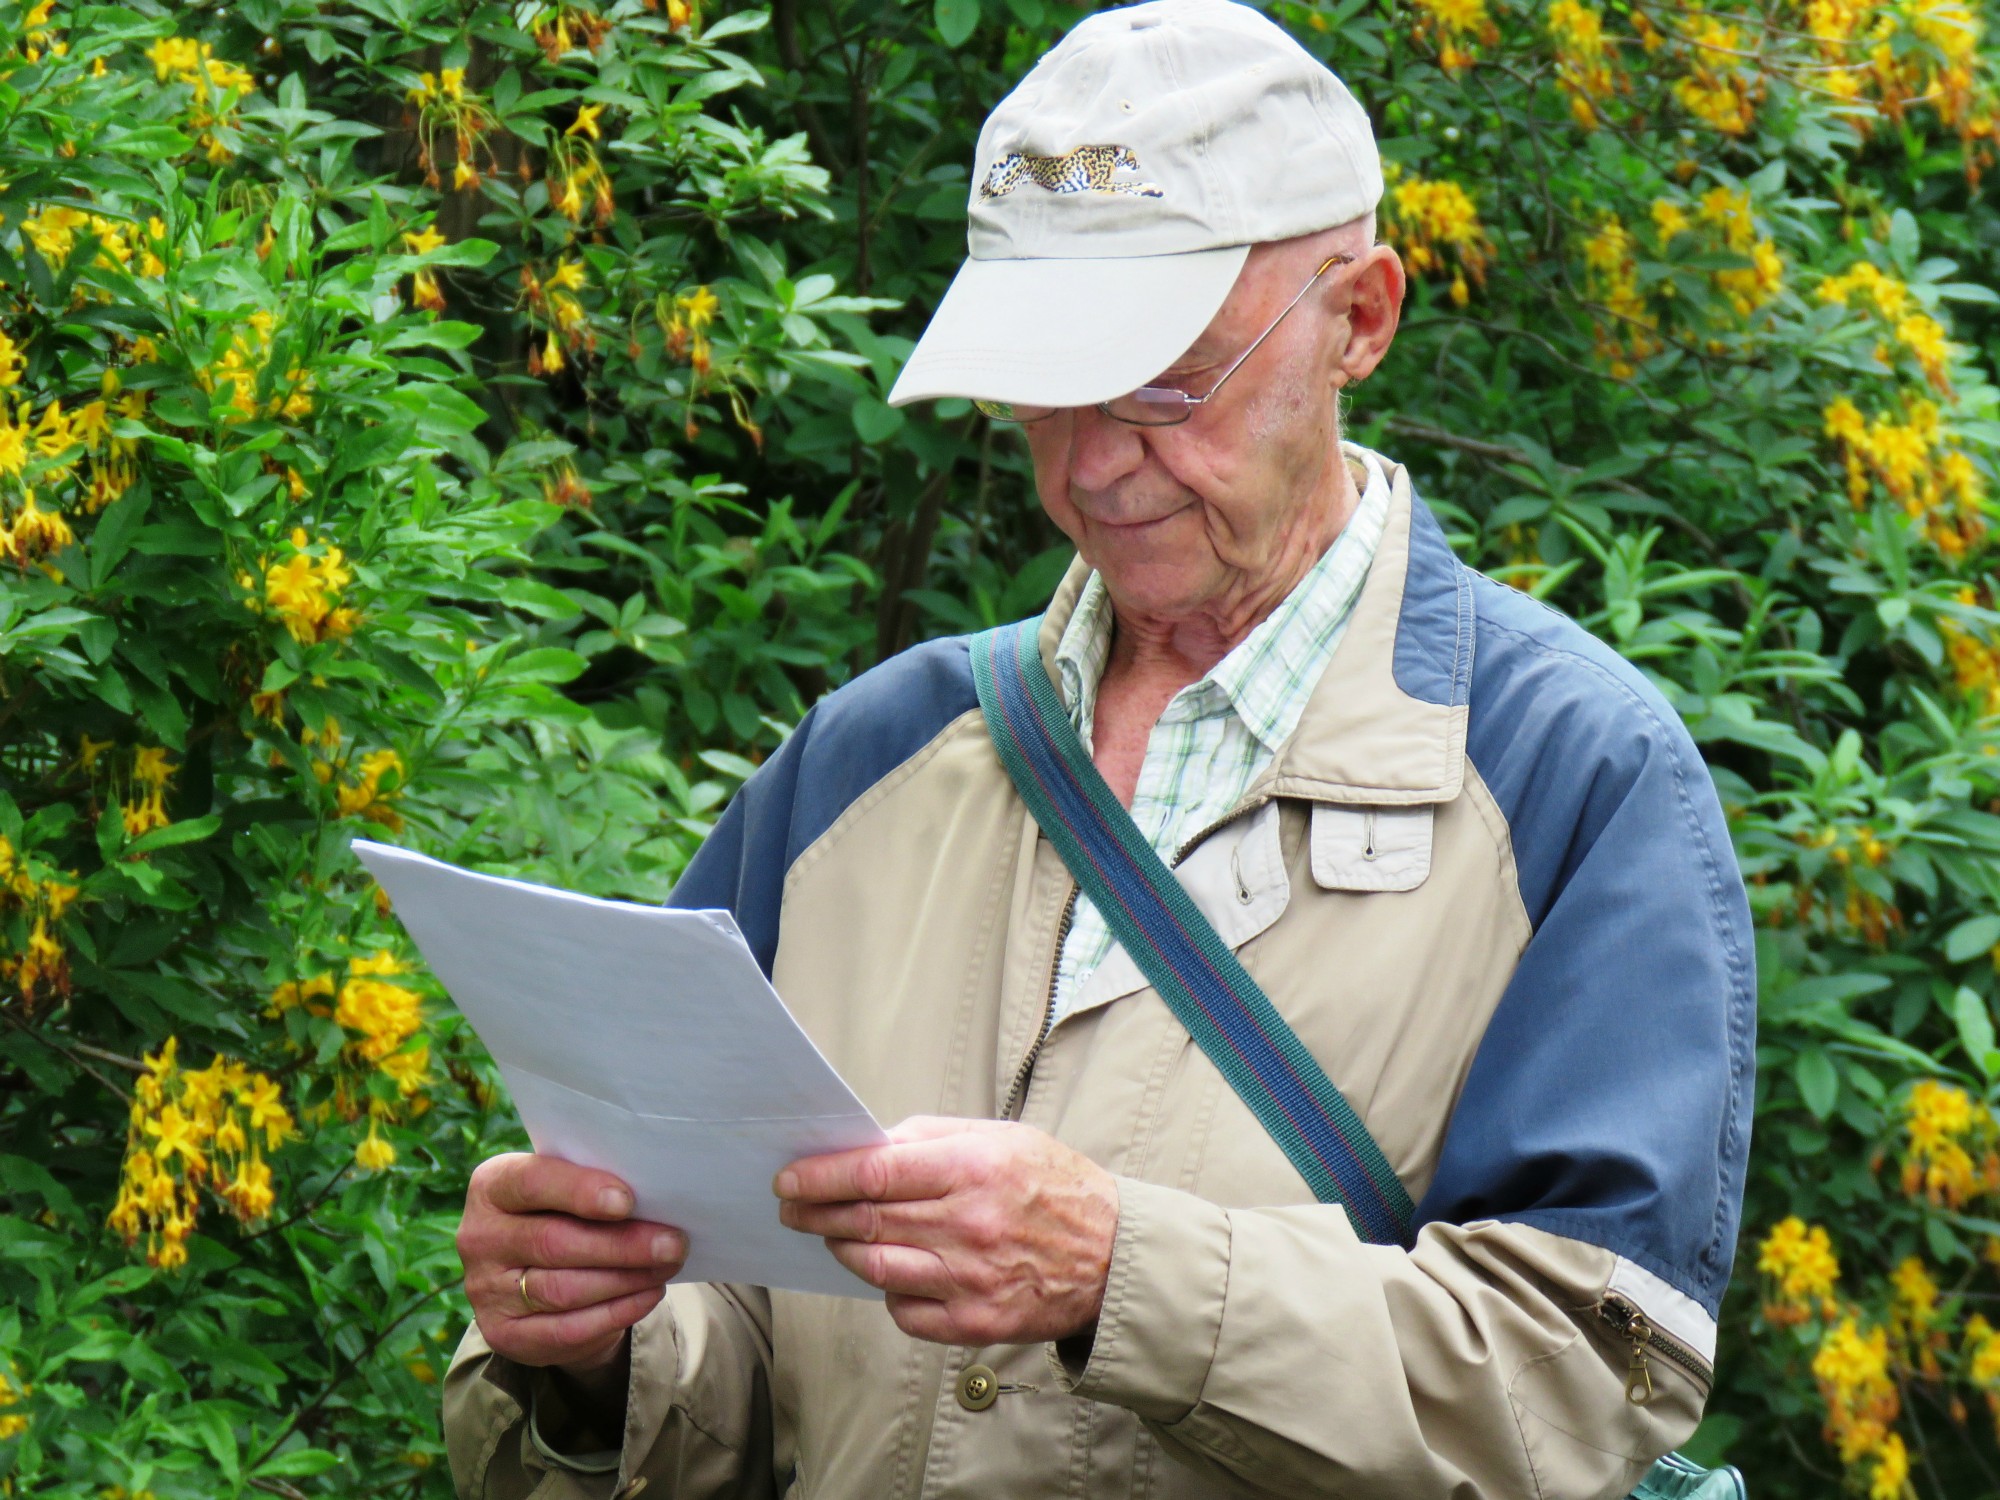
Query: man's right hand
592,1271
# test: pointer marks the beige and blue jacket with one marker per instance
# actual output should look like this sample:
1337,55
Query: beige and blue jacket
1488,883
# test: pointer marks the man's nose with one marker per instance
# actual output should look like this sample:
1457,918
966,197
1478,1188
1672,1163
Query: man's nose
1102,450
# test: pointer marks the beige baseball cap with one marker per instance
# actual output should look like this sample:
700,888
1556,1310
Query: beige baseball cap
1117,191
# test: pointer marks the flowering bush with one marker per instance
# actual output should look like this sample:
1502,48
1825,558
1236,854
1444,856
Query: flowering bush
299,313
394,406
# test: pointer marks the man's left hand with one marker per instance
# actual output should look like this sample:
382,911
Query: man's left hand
980,1231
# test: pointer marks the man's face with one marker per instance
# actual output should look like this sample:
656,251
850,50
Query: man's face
1200,518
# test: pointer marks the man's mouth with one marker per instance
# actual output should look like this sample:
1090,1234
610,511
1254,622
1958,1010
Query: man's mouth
1135,523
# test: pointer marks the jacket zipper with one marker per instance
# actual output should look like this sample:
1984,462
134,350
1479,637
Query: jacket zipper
1020,1084
1630,1324
1188,846
1048,1008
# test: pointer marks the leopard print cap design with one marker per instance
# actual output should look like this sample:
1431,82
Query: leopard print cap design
1087,169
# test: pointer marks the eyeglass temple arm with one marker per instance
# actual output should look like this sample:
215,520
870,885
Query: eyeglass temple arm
1326,265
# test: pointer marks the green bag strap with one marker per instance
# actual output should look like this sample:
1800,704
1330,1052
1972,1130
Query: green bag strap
1193,970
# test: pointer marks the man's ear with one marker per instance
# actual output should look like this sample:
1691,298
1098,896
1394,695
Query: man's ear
1374,310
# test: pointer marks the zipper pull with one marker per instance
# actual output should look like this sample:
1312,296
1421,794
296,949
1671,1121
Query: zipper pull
1632,1324
1639,1375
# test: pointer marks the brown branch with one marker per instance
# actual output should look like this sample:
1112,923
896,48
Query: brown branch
16,702
76,1052
346,1373
785,31
907,544
306,1212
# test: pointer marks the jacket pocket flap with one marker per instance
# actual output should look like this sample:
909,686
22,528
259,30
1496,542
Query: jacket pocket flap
1371,848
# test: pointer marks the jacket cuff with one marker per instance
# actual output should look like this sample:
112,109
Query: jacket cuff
1163,1302
549,1413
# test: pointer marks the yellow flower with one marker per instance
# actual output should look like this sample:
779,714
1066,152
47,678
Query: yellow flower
172,56
424,241
1891,1477
1431,219
1624,334
586,122
149,766
1945,1126
177,1135
38,532
250,1193
409,1069
1801,1263
1718,90
1925,339
387,1015
366,797
1455,22
267,1111
424,291
304,591
374,1154
12,1392
700,307
1583,66
302,992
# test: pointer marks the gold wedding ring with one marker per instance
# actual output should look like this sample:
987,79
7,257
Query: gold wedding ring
527,1297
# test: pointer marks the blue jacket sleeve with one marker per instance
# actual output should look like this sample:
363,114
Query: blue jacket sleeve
1610,1099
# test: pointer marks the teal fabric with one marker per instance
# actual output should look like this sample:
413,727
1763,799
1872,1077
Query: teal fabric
1674,1478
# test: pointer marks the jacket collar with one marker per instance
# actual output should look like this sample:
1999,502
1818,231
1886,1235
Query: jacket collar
1386,725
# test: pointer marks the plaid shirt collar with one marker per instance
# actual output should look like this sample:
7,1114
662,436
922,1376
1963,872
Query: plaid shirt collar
1268,677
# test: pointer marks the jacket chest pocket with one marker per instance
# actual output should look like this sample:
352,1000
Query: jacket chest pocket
1371,848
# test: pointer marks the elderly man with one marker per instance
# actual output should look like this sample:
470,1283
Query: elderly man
1468,853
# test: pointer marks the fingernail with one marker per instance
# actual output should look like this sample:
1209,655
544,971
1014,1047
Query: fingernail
614,1203
666,1248
787,1185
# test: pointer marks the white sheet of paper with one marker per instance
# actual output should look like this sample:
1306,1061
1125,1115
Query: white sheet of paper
646,1041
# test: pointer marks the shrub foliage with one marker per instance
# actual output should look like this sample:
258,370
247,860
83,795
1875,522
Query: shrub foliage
464,423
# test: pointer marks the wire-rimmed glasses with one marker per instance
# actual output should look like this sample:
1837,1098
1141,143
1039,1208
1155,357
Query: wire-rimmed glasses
1157,405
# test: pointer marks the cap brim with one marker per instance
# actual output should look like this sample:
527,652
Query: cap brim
1050,332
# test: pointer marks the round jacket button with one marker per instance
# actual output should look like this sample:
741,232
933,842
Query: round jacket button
978,1388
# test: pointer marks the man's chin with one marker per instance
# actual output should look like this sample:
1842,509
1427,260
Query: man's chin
1164,590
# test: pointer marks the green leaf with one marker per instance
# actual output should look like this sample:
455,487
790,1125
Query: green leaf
1818,1080
543,664
1974,936
154,142
299,1463
188,831
442,335
1975,1029
213,1428
957,20
876,421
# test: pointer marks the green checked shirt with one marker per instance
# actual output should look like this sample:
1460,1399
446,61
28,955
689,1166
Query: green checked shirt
1217,735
